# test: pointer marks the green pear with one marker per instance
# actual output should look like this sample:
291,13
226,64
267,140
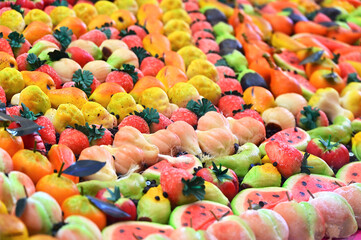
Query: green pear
222,28
260,176
236,60
41,45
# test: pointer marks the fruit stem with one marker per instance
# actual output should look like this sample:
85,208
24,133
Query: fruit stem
268,58
61,169
26,192
35,143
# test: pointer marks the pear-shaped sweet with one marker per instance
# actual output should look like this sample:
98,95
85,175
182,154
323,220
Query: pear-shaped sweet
35,99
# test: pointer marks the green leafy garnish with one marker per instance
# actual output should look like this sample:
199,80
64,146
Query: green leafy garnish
63,35
34,62
352,77
221,175
141,53
106,31
125,32
331,77
114,196
17,8
312,58
16,40
195,187
328,144
26,113
221,62
60,3
244,108
130,69
304,167
1,35
56,55
150,115
83,80
92,132
336,57
310,117
200,107
235,93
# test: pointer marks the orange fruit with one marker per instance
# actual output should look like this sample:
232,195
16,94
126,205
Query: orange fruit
260,98
99,21
5,31
75,24
9,143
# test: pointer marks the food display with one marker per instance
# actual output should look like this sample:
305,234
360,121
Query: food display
180,119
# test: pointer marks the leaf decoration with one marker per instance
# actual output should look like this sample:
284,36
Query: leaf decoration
221,175
83,80
20,206
310,116
1,35
331,77
92,132
304,167
106,31
84,168
328,144
17,8
352,77
312,58
130,69
150,115
114,196
60,3
63,35
16,39
26,113
336,57
195,187
26,126
200,107
108,208
141,53
244,108
56,55
209,31
34,62
125,32
235,93
221,62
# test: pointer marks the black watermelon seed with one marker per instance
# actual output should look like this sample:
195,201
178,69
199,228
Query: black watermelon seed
220,210
304,183
161,231
258,194
138,228
287,134
290,141
318,185
121,230
203,214
354,174
155,167
302,193
272,139
201,206
188,212
276,195
299,137
318,180
261,204
185,224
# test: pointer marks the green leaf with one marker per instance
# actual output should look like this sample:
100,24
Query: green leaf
114,196
304,167
310,117
141,53
150,115
84,168
328,144
312,58
108,208
200,107
16,40
352,77
331,77
60,3
83,80
63,35
235,93
20,207
130,69
336,57
125,32
1,35
92,132
221,62
34,62
56,55
221,175
26,113
195,187
244,108
106,31
17,8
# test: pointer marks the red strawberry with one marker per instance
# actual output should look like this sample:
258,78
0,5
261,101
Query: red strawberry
320,17
191,6
201,26
184,114
309,118
197,16
5,46
202,35
52,73
136,122
2,95
125,77
162,124
13,111
245,111
335,154
132,41
49,38
74,139
139,31
230,84
48,132
286,158
225,179
21,61
214,57
181,186
225,72
18,43
229,103
96,36
106,139
207,45
79,55
151,66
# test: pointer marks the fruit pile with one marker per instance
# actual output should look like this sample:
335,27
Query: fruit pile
180,119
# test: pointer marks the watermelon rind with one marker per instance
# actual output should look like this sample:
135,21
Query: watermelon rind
348,174
119,230
301,144
175,219
238,202
302,182
286,65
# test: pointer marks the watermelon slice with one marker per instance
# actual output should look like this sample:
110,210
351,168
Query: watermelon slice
295,137
288,60
133,230
198,215
350,173
299,184
266,198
